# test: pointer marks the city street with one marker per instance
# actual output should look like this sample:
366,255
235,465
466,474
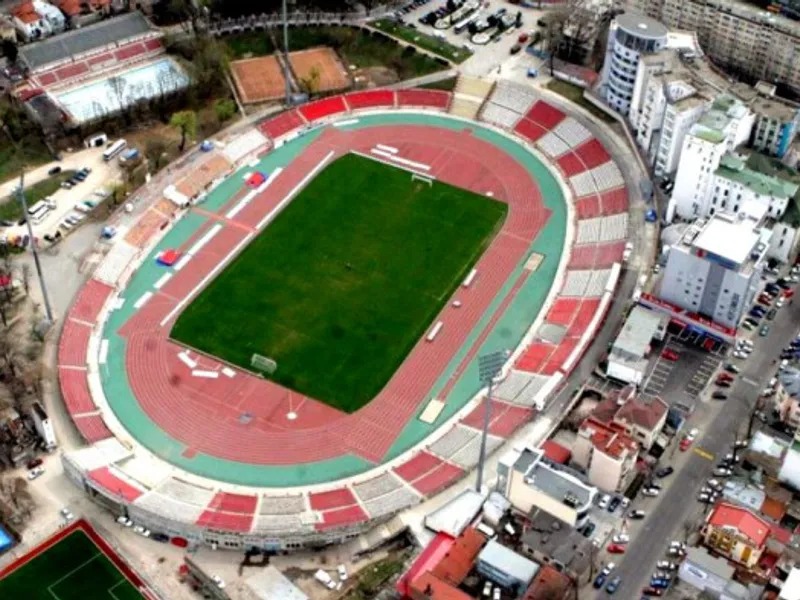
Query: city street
719,423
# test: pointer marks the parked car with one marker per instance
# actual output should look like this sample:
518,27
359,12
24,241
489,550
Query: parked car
124,521
722,383
764,331
604,501
637,514
657,582
67,514
615,502
616,549
35,473
651,591
664,472
731,368
722,472
54,171
588,529
669,354
613,585
608,568
720,395
34,462
666,565
650,492
342,572
599,581
621,538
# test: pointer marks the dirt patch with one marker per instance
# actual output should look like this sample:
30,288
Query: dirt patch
258,79
371,77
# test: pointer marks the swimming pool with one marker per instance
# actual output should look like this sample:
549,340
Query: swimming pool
112,94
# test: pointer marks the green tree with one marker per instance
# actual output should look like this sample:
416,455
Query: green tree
310,83
10,51
225,109
184,121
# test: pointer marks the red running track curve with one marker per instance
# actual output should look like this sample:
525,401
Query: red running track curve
205,414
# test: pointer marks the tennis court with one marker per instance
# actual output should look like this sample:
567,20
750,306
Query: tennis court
70,566
259,79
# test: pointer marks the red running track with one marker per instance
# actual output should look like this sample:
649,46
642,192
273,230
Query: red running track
205,414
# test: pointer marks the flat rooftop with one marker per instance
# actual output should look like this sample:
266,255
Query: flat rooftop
641,26
638,331
728,237
555,481
85,39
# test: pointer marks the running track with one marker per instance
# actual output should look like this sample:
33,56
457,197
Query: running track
205,414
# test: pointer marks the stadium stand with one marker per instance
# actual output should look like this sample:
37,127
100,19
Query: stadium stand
377,486
575,283
592,153
514,96
573,133
452,441
582,184
529,130
281,125
186,492
213,519
437,479
284,524
331,499
165,508
416,467
552,145
607,176
499,115
589,230
243,145
236,503
74,343
424,98
92,427
115,263
313,111
341,517
75,391
588,207
597,283
474,87
570,164
467,456
282,505
467,108
613,227
111,480
370,99
545,115
90,301
614,201
391,502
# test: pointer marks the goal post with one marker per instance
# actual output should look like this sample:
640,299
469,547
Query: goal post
262,363
422,178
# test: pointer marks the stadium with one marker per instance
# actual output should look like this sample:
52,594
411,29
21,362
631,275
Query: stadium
282,352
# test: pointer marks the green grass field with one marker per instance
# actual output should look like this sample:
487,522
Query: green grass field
73,569
345,281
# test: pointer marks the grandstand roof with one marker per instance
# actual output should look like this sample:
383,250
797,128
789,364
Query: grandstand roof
84,40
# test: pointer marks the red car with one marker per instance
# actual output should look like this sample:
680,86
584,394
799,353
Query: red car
685,443
616,549
724,377
788,293
651,591
669,354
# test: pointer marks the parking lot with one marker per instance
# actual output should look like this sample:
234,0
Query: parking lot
488,56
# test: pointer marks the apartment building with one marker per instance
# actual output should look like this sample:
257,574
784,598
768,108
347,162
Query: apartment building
736,533
715,268
631,36
726,125
606,453
739,37
734,186
775,126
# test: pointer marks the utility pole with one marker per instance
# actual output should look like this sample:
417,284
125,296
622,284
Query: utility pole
286,53
24,204
489,367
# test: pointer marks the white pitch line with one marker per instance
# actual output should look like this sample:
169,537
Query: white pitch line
185,359
182,262
207,237
205,374
219,266
387,148
162,280
103,354
344,123
143,300
228,372
401,160
311,174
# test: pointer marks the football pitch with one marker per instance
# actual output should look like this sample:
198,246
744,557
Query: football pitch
343,283
72,569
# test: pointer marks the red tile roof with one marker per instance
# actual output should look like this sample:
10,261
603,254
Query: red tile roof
548,583
608,438
556,452
458,561
25,12
784,536
748,524
773,509
430,587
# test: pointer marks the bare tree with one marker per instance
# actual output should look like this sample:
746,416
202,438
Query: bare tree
118,85
26,277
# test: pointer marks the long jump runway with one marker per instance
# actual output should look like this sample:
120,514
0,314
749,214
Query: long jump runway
240,417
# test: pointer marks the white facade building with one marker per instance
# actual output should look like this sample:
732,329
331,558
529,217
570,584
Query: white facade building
630,37
726,125
715,269
735,186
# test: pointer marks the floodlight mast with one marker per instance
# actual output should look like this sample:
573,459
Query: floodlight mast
489,367
286,54
21,196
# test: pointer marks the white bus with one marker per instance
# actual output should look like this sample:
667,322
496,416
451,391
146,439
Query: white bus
114,149
38,211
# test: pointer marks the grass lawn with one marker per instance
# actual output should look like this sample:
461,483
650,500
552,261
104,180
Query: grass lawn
345,281
448,85
423,40
73,569
574,93
10,208
374,577
355,46
34,153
